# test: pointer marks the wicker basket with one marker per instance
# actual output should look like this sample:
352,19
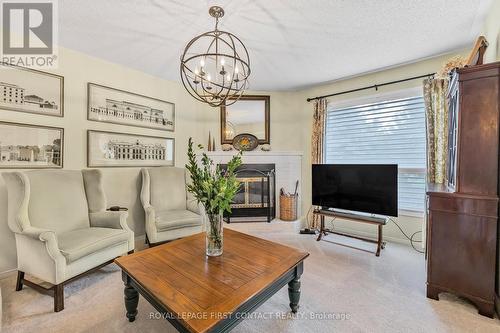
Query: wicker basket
288,207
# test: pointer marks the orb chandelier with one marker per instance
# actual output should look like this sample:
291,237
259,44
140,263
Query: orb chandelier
215,65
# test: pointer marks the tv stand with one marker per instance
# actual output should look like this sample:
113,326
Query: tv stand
378,221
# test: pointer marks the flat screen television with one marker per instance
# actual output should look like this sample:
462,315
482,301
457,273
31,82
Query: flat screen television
367,188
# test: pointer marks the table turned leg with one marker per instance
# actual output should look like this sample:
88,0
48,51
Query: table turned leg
131,300
294,294
294,288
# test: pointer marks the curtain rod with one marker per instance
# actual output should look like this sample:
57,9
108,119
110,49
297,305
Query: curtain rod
375,86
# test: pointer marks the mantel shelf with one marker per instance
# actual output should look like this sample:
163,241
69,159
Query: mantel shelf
255,153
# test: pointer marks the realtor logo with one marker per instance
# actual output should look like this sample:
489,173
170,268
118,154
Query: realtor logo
28,33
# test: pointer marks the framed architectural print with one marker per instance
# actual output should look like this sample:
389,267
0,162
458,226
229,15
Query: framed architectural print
30,146
112,105
29,90
111,149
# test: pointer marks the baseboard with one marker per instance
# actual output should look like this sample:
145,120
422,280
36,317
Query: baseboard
7,273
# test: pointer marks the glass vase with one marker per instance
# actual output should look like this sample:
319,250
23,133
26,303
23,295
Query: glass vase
214,234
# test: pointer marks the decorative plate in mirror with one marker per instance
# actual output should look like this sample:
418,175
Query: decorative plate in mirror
245,142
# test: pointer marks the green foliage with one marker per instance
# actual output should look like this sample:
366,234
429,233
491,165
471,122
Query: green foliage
212,187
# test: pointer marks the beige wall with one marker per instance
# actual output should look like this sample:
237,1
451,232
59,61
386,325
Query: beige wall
121,184
491,31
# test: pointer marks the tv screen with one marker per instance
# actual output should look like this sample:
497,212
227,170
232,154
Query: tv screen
368,188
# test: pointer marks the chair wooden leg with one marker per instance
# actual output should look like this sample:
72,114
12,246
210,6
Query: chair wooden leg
20,279
58,297
379,240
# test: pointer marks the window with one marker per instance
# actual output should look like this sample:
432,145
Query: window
388,132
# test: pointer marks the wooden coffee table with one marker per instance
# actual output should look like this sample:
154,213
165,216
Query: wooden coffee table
196,293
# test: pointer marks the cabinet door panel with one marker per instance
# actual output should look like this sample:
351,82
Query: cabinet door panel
478,133
463,253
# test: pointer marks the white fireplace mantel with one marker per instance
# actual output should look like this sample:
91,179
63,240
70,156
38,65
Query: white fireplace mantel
255,153
288,168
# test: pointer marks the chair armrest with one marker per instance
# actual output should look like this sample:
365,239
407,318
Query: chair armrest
194,206
38,233
113,220
150,214
109,219
47,236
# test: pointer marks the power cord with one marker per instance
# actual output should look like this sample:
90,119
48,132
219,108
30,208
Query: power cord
410,238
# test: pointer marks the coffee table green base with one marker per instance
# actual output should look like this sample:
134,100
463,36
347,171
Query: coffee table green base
292,278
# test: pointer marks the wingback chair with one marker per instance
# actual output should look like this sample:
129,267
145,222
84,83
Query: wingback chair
62,228
169,213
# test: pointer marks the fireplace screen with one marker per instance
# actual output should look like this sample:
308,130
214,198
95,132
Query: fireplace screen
255,200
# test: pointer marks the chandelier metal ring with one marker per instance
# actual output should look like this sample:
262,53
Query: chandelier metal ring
215,66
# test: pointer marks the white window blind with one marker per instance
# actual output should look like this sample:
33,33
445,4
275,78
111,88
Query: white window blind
389,132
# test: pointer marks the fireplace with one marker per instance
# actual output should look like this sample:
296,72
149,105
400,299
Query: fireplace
255,200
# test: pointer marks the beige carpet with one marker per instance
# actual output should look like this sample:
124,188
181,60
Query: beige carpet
347,290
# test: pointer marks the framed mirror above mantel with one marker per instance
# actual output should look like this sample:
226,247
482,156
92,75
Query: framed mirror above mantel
249,115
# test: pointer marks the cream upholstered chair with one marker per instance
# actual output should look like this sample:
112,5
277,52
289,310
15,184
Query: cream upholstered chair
62,228
170,214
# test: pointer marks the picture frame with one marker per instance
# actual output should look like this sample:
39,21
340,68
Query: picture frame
28,146
116,106
249,115
32,91
117,149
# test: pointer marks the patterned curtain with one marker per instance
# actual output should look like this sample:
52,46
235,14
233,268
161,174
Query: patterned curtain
318,131
436,114
317,149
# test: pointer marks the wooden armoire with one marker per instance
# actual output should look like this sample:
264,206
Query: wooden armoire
462,215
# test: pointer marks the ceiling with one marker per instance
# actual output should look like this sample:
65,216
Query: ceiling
292,43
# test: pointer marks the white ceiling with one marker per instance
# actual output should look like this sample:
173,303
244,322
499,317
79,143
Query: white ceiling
292,43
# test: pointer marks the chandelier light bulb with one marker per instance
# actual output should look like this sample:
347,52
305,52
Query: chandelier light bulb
222,61
236,70
202,62
208,86
196,75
